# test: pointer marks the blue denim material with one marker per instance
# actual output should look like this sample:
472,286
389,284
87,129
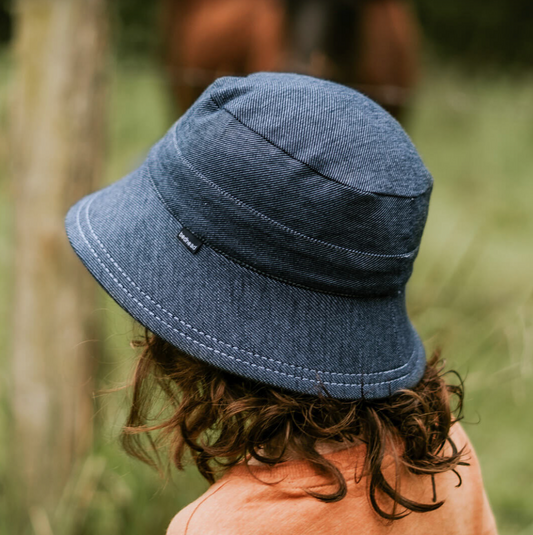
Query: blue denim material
310,202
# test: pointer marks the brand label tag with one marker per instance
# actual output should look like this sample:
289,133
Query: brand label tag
189,240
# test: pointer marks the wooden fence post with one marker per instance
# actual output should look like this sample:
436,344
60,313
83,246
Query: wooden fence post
57,125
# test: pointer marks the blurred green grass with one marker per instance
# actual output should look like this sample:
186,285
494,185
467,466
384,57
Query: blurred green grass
471,294
472,288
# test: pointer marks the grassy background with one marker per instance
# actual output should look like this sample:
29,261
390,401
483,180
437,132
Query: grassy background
471,294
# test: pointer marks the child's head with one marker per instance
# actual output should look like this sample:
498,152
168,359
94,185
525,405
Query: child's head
269,236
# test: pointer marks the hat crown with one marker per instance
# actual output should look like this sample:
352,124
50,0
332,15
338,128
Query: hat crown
333,129
299,178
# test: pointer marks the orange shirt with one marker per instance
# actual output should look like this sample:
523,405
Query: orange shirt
240,504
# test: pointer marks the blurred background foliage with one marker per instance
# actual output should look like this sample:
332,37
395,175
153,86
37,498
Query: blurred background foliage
471,292
479,34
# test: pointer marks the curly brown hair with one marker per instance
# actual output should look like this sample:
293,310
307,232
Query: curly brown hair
222,419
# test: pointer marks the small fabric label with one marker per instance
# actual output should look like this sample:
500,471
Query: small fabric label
189,240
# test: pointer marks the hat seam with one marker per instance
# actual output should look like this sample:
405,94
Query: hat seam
254,269
241,203
352,188
396,334
146,296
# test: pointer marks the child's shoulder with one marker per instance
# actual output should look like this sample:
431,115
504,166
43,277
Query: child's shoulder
238,500
183,524
215,511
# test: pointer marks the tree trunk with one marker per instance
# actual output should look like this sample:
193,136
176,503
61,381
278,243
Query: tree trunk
57,144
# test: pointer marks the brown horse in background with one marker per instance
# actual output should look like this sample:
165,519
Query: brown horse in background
371,45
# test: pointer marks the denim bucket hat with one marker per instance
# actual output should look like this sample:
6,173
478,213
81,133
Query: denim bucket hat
271,233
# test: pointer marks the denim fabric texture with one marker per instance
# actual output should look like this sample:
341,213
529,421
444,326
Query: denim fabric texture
271,233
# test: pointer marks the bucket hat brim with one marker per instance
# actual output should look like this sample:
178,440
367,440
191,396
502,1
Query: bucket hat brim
233,317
